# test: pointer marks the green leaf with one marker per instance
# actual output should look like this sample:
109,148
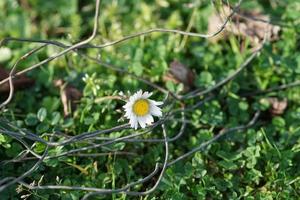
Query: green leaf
13,150
42,114
55,118
243,105
205,79
42,127
278,121
68,123
137,68
51,103
228,165
5,54
2,139
39,147
31,119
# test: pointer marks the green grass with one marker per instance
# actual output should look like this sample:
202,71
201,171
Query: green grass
261,162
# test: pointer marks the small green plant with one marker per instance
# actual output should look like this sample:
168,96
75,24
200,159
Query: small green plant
228,127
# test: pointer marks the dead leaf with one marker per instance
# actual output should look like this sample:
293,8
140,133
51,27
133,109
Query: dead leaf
252,29
179,73
20,82
68,95
81,169
95,164
277,106
25,4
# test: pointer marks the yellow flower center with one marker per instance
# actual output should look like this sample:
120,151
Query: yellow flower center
141,107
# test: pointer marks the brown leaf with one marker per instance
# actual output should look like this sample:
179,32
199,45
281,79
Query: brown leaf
179,73
277,106
252,29
20,82
68,95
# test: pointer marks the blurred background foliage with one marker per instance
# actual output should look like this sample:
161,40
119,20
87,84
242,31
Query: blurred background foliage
259,163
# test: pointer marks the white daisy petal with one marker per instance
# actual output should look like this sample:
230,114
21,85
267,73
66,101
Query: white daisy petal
131,99
139,93
142,122
146,119
127,105
149,120
136,124
157,103
146,95
156,111
140,110
132,122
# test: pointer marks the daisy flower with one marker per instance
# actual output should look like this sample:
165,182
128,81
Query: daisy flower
139,109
